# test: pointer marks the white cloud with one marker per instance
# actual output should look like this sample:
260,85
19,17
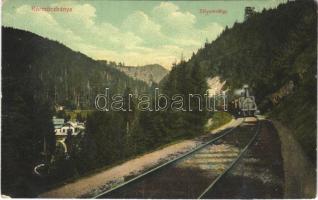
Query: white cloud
171,14
41,23
181,27
82,20
140,23
172,18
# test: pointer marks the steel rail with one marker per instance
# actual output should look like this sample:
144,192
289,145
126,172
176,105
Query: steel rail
170,162
215,181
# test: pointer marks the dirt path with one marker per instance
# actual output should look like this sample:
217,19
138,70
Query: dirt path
300,174
95,183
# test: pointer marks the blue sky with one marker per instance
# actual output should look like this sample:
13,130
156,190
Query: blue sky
133,32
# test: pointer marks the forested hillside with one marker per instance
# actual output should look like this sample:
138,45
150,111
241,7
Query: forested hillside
38,73
274,52
68,78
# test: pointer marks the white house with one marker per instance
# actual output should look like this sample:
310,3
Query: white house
69,127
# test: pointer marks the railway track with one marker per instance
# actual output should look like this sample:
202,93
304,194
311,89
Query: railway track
195,173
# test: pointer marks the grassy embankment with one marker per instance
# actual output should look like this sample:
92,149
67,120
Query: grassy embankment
217,120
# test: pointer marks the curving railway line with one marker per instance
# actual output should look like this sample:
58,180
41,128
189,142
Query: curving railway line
195,173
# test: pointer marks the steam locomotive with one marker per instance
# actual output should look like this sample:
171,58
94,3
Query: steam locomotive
244,105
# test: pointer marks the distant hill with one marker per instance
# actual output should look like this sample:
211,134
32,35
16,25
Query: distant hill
64,77
146,73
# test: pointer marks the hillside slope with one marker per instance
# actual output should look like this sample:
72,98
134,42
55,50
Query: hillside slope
146,73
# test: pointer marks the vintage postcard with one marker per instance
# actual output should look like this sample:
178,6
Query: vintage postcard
211,99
